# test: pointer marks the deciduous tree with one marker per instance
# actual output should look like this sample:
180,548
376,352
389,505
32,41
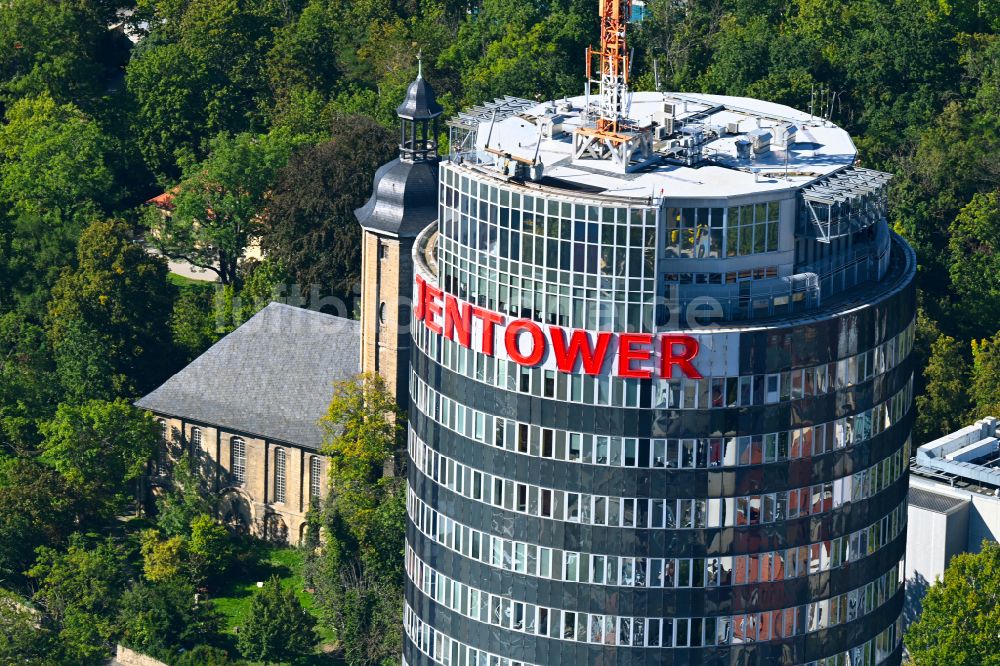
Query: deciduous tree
183,501
54,180
165,618
58,49
358,574
218,205
310,225
985,387
961,612
201,72
28,386
79,589
23,640
362,425
118,301
974,246
100,448
37,508
945,404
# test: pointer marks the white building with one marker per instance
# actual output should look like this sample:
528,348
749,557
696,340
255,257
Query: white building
954,503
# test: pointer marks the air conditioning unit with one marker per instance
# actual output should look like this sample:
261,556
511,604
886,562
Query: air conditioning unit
743,149
760,140
663,130
551,126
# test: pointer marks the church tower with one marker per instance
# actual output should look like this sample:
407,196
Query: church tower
403,203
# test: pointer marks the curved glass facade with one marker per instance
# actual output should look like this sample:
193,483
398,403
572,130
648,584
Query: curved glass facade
744,503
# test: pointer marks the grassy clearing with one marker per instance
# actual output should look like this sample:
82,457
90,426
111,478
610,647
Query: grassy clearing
232,598
187,283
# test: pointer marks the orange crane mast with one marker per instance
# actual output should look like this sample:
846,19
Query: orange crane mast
607,133
613,64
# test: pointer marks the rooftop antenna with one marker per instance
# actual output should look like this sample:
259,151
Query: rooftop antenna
613,135
613,63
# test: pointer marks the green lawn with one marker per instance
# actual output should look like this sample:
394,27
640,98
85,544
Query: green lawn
233,597
187,283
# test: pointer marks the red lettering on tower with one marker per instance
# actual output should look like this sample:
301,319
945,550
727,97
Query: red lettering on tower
627,354
432,307
514,329
592,360
458,317
689,350
444,314
490,319
418,299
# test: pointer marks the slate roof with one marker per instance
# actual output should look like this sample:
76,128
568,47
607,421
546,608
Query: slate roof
403,200
272,377
420,102
934,502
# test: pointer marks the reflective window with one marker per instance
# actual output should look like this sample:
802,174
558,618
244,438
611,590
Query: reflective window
629,512
691,453
598,569
653,632
604,629
549,259
314,478
682,393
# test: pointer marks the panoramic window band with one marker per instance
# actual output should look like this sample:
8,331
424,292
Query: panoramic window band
666,453
523,235
684,393
653,632
447,651
654,513
622,570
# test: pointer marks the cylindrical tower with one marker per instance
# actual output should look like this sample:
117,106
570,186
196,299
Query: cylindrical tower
658,416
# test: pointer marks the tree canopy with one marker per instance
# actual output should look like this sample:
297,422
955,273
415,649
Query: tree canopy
99,448
219,204
107,319
276,628
310,225
957,626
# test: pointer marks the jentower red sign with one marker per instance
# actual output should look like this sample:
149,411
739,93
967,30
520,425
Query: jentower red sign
526,342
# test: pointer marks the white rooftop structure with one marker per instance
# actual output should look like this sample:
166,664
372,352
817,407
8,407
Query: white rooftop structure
971,454
704,146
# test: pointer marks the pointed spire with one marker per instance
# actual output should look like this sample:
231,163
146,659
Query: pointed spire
420,103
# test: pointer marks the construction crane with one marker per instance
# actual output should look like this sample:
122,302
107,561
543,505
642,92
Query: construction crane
612,136
613,64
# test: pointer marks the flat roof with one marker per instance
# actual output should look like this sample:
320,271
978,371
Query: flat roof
931,501
820,147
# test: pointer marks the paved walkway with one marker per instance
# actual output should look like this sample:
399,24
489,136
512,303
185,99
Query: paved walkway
185,269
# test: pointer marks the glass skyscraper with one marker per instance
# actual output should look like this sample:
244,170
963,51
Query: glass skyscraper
659,412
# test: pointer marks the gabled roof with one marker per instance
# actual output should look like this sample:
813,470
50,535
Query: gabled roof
164,201
272,377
